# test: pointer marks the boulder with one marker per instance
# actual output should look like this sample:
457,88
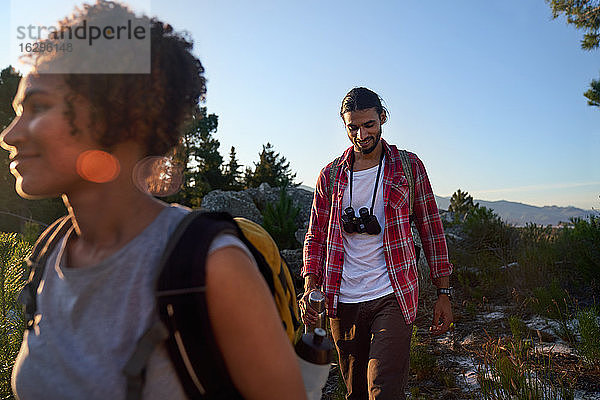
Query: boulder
251,203
238,204
293,258
265,194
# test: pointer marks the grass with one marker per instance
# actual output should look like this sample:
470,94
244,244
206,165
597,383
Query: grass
517,328
422,363
511,369
589,331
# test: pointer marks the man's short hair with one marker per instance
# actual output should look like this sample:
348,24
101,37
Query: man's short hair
361,98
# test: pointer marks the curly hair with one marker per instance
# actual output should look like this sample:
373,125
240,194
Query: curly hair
148,108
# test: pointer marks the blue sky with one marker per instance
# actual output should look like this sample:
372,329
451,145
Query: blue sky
487,93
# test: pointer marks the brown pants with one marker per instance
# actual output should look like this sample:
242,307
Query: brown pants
373,344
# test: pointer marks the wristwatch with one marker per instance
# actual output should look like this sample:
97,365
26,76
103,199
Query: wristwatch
447,291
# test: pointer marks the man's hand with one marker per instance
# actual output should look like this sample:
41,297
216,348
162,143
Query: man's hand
442,315
309,315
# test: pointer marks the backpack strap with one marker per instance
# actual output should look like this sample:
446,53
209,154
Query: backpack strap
408,173
181,303
406,167
335,166
42,249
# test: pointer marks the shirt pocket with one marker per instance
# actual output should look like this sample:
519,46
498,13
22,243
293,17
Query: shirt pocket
399,196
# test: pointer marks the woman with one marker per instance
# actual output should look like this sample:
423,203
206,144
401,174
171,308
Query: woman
86,137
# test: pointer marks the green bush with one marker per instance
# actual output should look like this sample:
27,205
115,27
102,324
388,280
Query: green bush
13,251
422,363
280,221
487,234
580,246
589,330
537,247
548,300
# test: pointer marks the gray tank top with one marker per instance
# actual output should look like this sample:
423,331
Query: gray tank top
91,318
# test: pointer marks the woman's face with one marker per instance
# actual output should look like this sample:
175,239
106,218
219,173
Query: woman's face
43,151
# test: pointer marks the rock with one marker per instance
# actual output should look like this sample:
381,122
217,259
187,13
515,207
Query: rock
238,204
265,194
293,259
251,203
300,235
303,200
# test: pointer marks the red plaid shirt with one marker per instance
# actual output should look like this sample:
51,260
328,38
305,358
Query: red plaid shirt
324,249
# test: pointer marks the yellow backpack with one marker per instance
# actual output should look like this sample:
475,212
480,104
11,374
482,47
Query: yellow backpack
283,291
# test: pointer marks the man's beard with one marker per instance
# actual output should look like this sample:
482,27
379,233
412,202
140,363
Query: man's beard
376,142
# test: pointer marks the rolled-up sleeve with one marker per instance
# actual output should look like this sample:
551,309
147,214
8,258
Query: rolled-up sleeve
315,240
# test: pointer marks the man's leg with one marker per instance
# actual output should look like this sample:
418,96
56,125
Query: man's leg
351,336
390,350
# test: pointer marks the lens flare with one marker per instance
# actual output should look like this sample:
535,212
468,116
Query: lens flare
159,176
98,166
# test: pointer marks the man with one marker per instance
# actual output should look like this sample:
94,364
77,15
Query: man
365,262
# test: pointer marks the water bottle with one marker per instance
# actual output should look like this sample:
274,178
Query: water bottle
316,301
314,350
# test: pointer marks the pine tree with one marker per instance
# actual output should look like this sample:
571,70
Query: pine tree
199,154
271,168
584,15
9,82
232,174
593,94
460,204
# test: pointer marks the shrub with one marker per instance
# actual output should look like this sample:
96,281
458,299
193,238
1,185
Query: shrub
280,221
580,246
13,251
547,300
537,246
487,234
422,363
589,330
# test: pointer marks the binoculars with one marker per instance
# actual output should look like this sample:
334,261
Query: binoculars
365,223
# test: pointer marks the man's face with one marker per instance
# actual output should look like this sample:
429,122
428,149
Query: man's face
364,129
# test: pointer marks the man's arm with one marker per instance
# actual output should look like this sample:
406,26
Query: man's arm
314,244
431,231
429,224
316,236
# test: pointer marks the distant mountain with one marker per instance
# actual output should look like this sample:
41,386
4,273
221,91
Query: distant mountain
520,214
517,213
310,189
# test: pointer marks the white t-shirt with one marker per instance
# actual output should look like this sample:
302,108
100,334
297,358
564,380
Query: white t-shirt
364,274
